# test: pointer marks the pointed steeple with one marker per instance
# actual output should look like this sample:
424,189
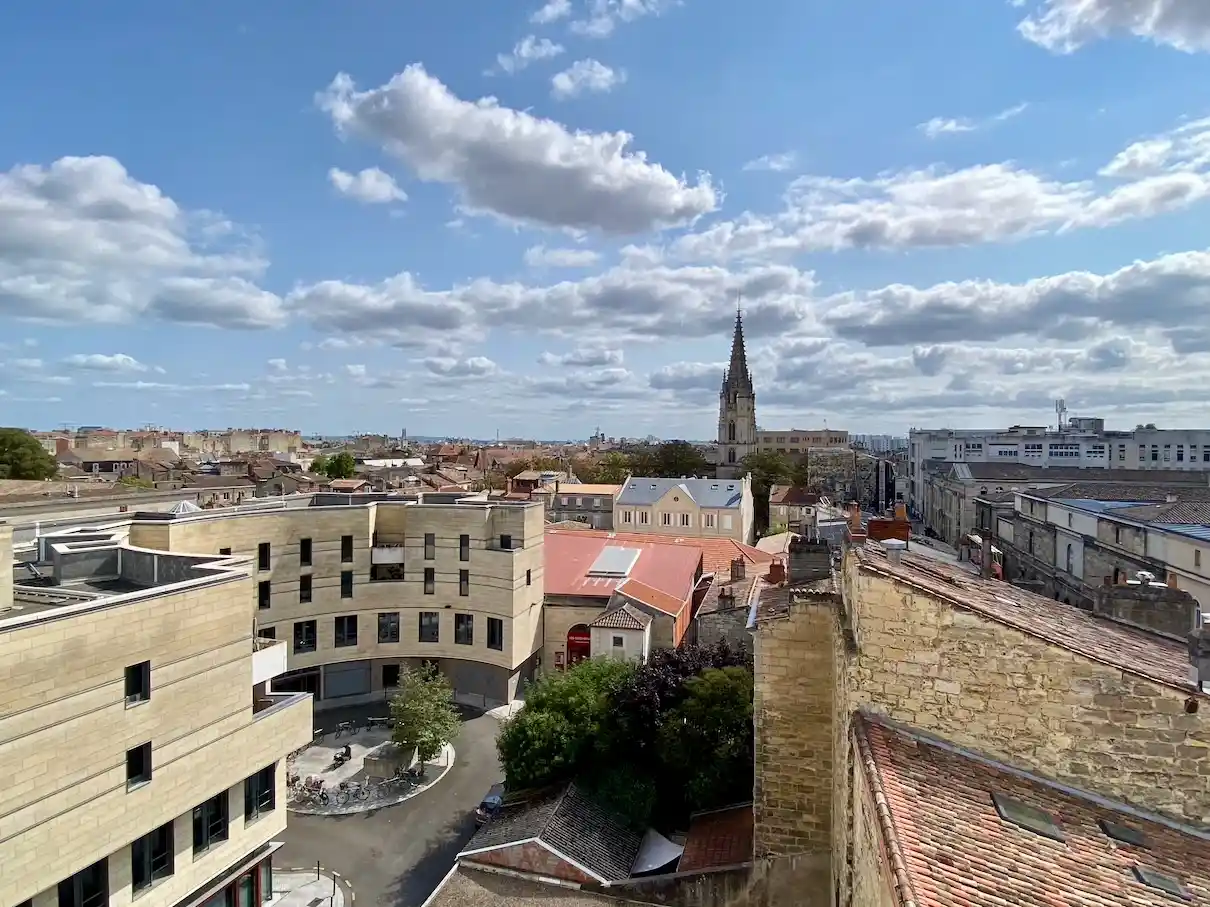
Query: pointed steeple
738,377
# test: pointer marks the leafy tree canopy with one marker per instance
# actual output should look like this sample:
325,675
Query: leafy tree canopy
341,466
319,465
22,456
424,713
541,464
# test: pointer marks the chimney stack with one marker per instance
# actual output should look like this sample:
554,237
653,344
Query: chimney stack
1149,605
777,573
901,512
894,550
855,532
737,569
985,556
1170,498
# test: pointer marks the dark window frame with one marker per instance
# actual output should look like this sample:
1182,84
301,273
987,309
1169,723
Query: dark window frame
260,793
464,547
398,671
346,549
138,765
529,577
151,858
264,595
506,542
211,822
304,625
346,583
306,552
430,546
464,583
388,621
429,626
264,556
73,891
430,581
137,682
306,588
464,629
341,623
495,633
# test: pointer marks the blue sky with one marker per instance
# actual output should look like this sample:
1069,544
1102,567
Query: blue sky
303,214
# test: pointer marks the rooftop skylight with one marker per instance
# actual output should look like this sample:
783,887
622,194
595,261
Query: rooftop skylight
1164,883
1028,817
1123,833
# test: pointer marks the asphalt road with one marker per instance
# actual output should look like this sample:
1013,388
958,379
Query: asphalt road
395,857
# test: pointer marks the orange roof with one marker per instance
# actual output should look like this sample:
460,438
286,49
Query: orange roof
566,488
657,599
717,554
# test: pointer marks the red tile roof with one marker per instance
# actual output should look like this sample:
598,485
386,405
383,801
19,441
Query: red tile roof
717,554
718,838
661,601
1133,651
948,845
668,569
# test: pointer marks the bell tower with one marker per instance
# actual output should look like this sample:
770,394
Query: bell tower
736,408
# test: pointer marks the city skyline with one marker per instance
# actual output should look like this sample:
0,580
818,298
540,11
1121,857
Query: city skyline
540,223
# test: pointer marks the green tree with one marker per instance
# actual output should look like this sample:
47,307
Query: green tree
341,466
613,468
675,459
136,482
707,739
424,713
557,733
768,468
800,471
319,465
22,456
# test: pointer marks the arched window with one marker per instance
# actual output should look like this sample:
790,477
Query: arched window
1070,558
731,455
730,431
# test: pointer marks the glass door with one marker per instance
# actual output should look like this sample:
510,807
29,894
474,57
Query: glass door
245,890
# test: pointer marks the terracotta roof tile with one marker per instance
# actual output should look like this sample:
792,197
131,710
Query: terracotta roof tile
1134,651
717,554
948,844
647,595
627,617
718,838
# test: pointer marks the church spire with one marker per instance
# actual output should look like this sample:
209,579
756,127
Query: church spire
738,378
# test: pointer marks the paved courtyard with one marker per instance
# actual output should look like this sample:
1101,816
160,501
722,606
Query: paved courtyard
395,857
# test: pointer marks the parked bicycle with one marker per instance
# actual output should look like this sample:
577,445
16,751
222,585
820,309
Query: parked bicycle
309,792
352,790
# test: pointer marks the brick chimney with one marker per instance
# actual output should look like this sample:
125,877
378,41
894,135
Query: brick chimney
737,569
1149,605
985,556
855,532
777,573
901,512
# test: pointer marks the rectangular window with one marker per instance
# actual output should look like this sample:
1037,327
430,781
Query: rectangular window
210,823
224,551
151,858
304,552
263,592
430,580
464,582
665,519
267,632
726,521
304,588
260,791
138,682
495,634
390,677
529,578
430,626
430,546
626,514
388,626
464,629
262,556
684,519
708,520
304,636
346,583
346,630
644,517
464,547
138,765
346,549
87,888
619,642
506,542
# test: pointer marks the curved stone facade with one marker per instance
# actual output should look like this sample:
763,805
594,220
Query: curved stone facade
361,586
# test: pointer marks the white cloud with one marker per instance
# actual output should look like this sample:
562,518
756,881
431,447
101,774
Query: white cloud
277,365
1064,26
82,241
100,362
688,376
774,163
370,186
583,358
605,15
542,257
585,77
553,11
939,126
173,388
529,49
515,165
448,367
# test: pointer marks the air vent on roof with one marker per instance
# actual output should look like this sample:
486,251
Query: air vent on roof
1028,817
1162,882
1123,833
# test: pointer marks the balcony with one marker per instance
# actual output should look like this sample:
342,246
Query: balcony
265,705
268,659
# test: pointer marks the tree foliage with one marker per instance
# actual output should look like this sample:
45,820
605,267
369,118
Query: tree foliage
557,732
768,468
707,739
341,466
22,456
539,464
319,465
424,713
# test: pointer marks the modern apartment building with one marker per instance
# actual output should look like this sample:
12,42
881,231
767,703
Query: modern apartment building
588,504
143,748
705,508
1080,442
361,586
